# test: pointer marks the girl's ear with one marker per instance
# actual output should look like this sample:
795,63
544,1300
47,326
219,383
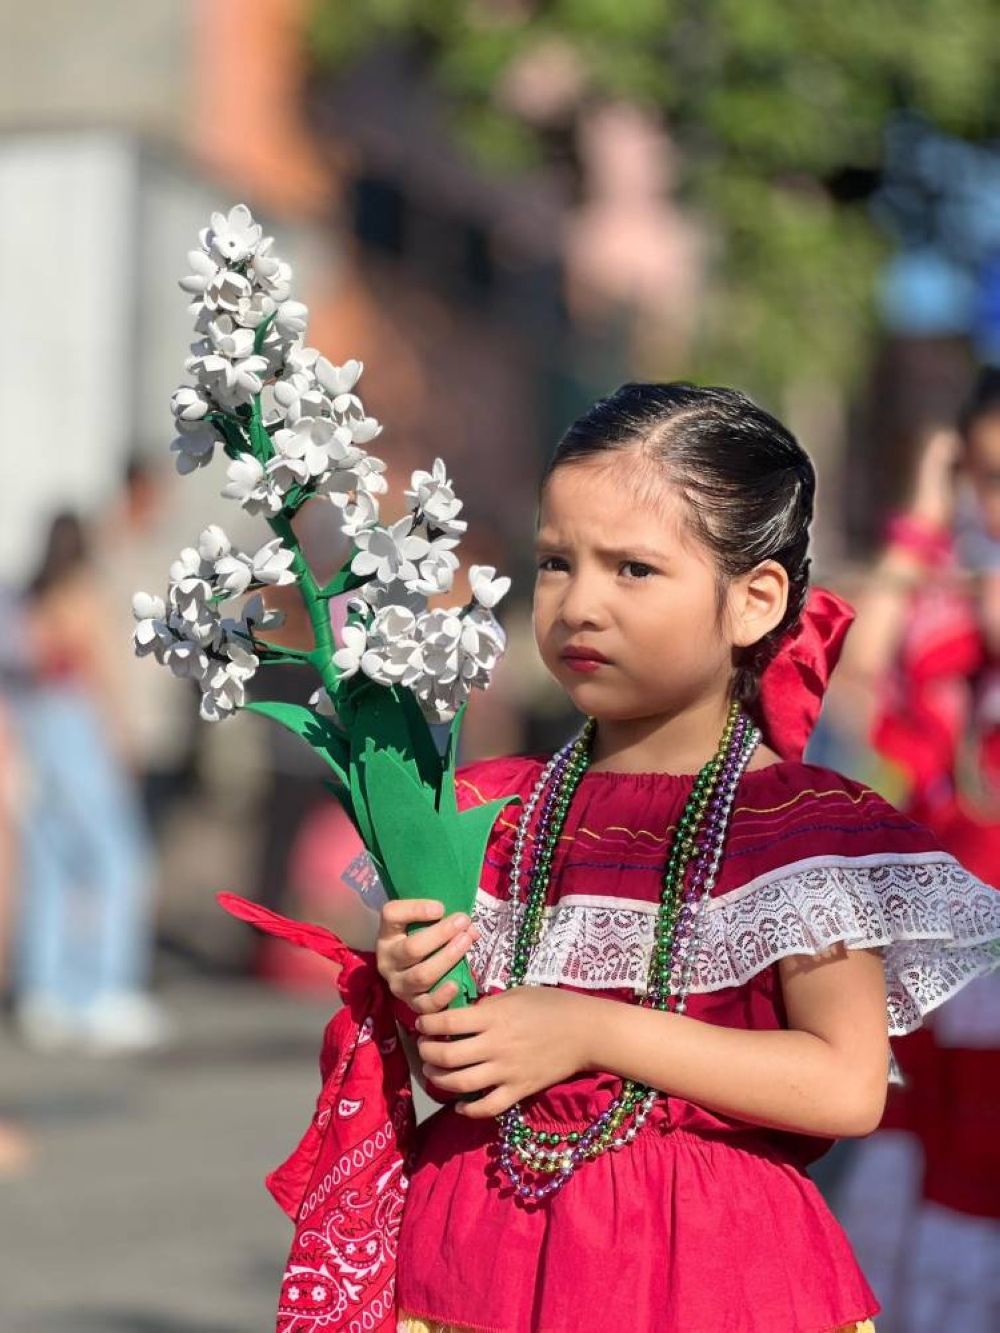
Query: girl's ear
757,603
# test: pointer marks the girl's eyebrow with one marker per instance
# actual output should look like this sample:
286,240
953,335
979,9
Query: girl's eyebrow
543,541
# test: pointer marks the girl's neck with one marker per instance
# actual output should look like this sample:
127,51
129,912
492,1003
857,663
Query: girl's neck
680,743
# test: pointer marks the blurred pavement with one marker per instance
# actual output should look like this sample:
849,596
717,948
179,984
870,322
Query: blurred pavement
144,1210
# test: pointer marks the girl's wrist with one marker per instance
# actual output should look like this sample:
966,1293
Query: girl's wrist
595,1031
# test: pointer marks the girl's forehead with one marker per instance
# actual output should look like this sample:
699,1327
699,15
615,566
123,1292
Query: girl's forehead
619,493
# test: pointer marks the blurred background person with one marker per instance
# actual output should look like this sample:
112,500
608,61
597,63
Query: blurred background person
922,679
84,933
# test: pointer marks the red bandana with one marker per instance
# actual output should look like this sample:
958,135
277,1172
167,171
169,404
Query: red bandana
344,1185
793,685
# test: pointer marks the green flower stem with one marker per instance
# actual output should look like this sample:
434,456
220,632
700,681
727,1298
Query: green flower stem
260,441
315,603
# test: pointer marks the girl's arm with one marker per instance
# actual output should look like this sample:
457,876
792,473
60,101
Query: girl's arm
826,1074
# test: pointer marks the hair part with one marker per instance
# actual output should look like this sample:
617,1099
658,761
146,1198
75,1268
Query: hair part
748,485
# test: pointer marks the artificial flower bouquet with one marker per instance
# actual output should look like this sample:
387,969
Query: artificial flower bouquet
294,430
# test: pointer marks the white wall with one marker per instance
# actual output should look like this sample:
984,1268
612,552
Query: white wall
67,250
94,330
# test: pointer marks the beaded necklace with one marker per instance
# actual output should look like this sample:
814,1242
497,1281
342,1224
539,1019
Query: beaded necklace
539,1163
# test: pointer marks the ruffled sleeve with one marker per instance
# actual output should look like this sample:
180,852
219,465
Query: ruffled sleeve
830,862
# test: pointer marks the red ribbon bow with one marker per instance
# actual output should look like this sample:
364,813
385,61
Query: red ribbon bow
794,682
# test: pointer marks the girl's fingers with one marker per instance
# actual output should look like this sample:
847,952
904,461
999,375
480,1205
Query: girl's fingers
421,944
452,1054
473,1079
427,974
403,951
484,1108
432,1002
398,913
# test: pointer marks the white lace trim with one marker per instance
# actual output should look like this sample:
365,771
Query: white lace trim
939,927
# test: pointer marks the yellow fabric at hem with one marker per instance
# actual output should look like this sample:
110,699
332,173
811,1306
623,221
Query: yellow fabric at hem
410,1324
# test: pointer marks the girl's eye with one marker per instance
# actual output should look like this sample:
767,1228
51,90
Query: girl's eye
635,569
551,563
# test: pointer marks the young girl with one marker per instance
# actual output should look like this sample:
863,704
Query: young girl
687,940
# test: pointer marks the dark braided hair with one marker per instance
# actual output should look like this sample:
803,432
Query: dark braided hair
749,485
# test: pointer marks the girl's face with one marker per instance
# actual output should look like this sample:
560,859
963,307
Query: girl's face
621,579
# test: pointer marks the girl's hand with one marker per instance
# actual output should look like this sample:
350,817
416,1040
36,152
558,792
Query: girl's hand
413,964
516,1043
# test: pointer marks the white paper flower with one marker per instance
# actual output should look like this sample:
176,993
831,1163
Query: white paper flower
194,449
300,398
226,290
292,318
229,339
437,568
391,644
306,447
187,659
342,482
191,614
272,564
432,495
487,589
203,270
360,515
389,553
213,544
363,429
394,622
231,383
248,483
347,658
224,683
337,380
188,405
152,634
371,472
375,596
234,573
483,639
234,236
301,360
188,565
270,272
252,310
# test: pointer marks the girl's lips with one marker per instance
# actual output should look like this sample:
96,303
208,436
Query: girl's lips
583,661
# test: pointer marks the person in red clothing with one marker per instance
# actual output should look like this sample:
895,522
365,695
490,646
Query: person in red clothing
922,675
691,947
632,1107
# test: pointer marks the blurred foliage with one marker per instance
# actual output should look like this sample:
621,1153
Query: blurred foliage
780,107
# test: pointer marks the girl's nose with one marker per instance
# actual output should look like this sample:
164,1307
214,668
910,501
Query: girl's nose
581,606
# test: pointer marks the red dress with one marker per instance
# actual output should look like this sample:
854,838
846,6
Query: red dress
704,1224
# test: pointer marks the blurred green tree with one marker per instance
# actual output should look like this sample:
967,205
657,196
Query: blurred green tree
779,108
